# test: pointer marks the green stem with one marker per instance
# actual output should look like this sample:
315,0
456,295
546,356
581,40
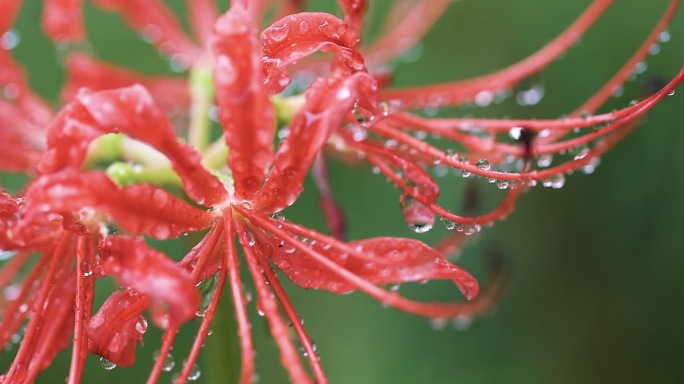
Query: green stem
126,174
202,95
221,355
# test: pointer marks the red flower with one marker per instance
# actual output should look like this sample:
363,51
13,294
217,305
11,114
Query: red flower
65,214
71,208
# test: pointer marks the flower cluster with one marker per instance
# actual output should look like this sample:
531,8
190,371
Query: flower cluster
130,157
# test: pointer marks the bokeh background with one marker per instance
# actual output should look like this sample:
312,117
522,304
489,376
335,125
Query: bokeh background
595,268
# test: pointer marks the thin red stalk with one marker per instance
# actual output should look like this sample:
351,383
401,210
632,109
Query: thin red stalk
50,332
313,235
203,331
167,342
434,310
627,69
295,320
240,304
213,236
288,353
501,211
202,14
13,316
403,31
459,92
334,216
85,291
20,364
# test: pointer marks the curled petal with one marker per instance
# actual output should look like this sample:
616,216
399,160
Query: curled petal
116,328
63,19
138,209
296,36
170,93
158,24
131,111
245,111
387,261
151,273
328,101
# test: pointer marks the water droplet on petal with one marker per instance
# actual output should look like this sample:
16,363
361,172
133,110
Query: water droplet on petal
279,33
106,364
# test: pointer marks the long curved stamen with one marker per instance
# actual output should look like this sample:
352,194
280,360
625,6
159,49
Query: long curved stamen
288,353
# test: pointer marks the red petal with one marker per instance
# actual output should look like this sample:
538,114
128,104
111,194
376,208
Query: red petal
12,78
297,36
157,23
138,209
63,19
8,12
23,142
245,111
131,111
387,261
170,93
153,274
328,101
115,329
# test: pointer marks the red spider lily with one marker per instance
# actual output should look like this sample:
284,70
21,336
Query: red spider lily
65,208
64,212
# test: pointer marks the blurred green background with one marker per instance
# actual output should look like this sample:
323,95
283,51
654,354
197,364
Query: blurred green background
595,268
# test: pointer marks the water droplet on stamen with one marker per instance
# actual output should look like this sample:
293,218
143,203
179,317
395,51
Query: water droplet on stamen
483,165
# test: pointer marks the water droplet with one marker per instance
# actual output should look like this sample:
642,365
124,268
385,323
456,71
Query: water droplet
484,98
11,91
6,255
283,264
618,91
555,181
449,224
179,62
461,323
9,40
151,34
590,167
664,36
502,184
169,363
531,96
483,165
671,93
279,33
195,373
544,161
106,364
654,49
141,325
438,324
